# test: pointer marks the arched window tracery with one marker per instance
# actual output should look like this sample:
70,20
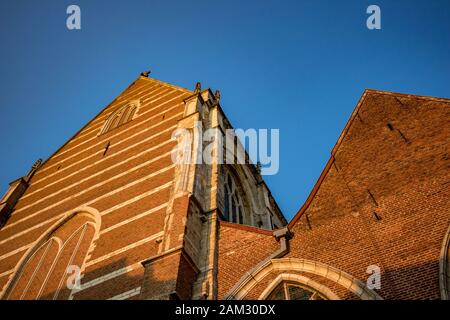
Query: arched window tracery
294,291
43,272
233,201
121,116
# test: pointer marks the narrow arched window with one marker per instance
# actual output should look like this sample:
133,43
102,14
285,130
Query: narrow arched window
294,291
44,272
233,205
227,204
121,116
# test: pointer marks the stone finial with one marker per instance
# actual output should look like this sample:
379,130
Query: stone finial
198,87
258,167
145,74
33,169
217,96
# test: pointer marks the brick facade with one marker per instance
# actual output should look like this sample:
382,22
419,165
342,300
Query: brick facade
128,184
155,229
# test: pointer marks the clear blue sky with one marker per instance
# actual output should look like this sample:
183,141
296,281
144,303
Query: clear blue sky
299,66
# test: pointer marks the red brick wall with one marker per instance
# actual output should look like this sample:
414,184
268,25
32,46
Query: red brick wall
69,179
406,169
240,249
159,280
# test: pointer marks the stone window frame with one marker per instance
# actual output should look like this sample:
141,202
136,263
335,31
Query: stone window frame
257,274
234,209
240,198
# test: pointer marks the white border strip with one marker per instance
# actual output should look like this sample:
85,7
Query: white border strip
164,186
11,253
124,249
93,186
98,172
127,294
108,276
136,217
103,196
100,151
6,273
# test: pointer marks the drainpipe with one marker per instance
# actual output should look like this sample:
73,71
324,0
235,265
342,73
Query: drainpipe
283,236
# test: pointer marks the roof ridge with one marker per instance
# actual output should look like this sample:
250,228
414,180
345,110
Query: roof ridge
344,132
407,95
167,84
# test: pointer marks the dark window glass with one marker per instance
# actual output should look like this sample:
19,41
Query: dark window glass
241,218
278,293
226,210
291,291
233,211
299,293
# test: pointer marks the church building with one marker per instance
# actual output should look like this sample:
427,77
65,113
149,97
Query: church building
113,213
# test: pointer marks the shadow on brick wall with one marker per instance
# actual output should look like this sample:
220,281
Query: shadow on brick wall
417,282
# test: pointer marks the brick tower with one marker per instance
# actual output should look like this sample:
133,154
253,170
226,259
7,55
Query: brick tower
112,206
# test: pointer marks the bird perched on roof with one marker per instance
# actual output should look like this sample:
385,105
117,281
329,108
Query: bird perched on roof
145,74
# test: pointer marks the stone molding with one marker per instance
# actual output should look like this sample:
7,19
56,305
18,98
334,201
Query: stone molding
250,280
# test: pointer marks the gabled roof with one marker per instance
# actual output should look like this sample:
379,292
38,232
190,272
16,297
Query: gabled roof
344,132
107,106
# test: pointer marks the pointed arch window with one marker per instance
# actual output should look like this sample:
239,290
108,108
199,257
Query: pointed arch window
43,272
233,205
294,291
121,116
